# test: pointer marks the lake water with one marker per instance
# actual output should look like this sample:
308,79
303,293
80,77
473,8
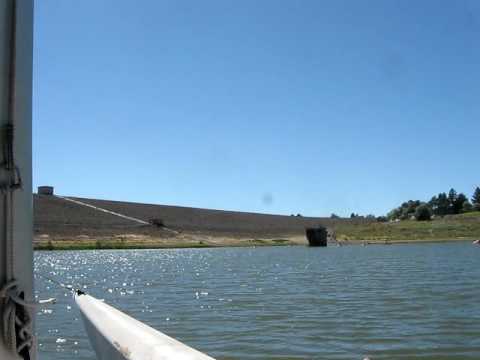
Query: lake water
386,302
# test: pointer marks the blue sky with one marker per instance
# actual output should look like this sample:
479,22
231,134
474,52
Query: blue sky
308,107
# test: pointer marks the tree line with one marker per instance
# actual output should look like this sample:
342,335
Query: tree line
450,203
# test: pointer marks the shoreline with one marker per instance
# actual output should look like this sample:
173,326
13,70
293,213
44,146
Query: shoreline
133,241
108,244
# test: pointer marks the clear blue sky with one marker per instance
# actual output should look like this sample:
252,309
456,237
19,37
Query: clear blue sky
308,107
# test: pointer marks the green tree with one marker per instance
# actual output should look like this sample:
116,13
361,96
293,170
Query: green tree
467,207
442,205
409,208
458,204
404,211
476,199
452,199
394,214
423,213
433,203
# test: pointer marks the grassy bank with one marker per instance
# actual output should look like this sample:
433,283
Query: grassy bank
451,227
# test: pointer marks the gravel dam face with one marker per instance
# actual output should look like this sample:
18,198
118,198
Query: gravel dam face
78,219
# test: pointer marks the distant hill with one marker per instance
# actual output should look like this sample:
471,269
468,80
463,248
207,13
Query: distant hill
55,215
75,223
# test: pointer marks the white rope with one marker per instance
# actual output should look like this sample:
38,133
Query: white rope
17,325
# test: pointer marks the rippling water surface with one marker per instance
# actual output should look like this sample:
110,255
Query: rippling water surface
387,302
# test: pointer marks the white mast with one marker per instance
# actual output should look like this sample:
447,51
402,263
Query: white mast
16,254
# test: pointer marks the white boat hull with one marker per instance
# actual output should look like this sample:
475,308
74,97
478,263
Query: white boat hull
115,335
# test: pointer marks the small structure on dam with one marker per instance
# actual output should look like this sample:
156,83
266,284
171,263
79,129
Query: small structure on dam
45,190
317,236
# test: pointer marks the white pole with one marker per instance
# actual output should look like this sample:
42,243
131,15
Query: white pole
20,86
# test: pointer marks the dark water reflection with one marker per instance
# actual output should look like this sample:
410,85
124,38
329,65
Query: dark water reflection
387,302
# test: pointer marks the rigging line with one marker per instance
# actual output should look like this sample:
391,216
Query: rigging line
62,285
9,137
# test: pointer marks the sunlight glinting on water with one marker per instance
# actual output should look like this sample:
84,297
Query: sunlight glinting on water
387,302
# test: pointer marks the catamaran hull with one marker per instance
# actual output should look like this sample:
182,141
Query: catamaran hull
117,336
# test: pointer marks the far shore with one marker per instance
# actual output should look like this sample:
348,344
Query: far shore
131,241
104,224
174,243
